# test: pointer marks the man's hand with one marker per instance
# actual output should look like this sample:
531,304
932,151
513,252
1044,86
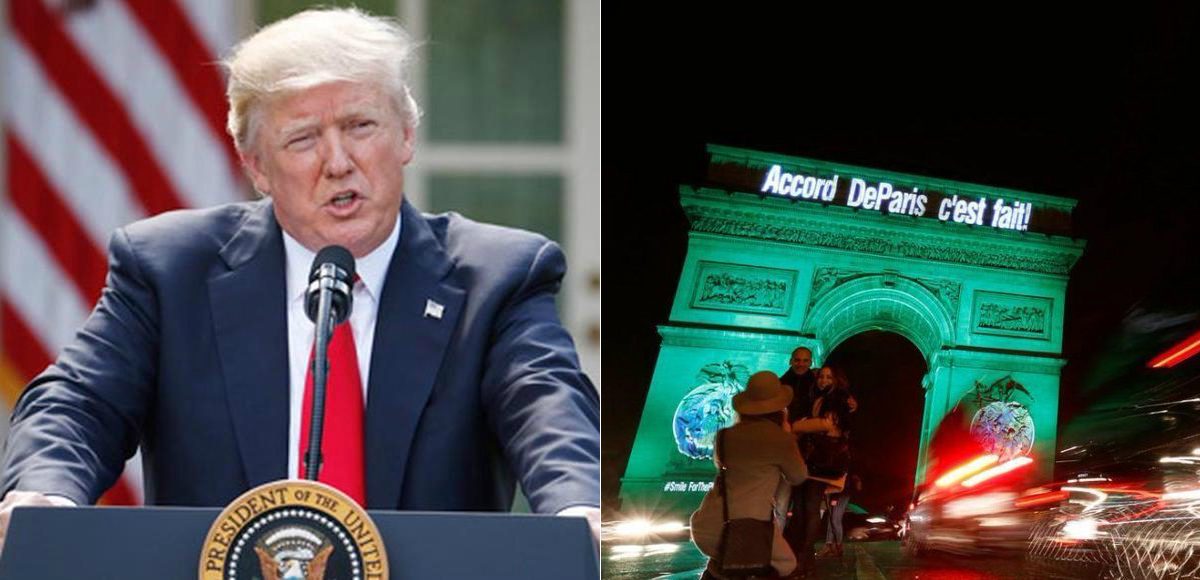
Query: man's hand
25,498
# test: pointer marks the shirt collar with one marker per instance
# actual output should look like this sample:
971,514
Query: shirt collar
371,269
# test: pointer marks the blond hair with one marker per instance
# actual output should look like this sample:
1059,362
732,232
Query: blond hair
312,48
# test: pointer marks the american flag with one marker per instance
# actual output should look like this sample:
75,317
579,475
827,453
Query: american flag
113,110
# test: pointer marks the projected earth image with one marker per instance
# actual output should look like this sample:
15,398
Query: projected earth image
708,408
702,412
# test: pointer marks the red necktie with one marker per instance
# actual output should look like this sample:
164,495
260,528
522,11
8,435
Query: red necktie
342,440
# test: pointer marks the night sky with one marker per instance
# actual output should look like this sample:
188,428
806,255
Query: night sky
1099,108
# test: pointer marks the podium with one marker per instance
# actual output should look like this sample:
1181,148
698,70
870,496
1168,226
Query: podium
164,542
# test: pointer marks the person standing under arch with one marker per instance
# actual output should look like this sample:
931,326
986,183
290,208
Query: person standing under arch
823,436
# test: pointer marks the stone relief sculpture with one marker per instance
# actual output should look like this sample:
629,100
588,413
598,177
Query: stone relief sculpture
729,288
1001,425
743,288
827,278
1017,318
948,291
921,247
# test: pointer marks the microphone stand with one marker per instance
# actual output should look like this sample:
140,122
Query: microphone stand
320,371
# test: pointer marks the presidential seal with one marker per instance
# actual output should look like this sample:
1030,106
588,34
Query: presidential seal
293,530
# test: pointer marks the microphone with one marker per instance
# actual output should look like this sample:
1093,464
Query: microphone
327,303
333,270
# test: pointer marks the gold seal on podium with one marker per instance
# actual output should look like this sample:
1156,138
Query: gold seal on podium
293,530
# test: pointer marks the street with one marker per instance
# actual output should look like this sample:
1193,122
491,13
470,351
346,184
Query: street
862,561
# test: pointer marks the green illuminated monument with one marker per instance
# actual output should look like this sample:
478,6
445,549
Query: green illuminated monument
786,252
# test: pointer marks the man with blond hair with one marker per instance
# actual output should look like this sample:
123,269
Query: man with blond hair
460,379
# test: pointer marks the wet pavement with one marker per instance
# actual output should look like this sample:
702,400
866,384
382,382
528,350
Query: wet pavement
862,561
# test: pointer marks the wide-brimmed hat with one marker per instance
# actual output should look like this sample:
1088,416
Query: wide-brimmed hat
764,394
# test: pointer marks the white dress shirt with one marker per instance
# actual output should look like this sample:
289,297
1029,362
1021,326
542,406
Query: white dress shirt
371,270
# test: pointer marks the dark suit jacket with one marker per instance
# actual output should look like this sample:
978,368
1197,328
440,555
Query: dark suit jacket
186,355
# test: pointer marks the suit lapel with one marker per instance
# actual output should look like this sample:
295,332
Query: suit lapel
250,317
408,351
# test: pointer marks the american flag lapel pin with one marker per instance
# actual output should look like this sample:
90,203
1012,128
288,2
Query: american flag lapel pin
433,309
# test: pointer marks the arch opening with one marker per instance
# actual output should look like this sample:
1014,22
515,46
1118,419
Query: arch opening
885,370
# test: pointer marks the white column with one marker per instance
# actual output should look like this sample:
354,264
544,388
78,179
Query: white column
244,14
582,180
5,406
412,16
